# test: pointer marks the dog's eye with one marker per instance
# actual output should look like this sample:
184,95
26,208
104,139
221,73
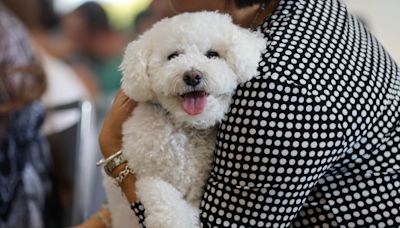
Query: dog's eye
173,55
212,54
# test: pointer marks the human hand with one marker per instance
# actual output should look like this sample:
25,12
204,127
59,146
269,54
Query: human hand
110,138
102,219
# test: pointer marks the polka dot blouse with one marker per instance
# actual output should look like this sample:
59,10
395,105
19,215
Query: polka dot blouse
313,140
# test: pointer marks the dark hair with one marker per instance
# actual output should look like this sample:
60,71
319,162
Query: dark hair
34,13
94,15
246,3
49,19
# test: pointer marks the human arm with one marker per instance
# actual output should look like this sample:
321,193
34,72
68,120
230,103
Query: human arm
110,138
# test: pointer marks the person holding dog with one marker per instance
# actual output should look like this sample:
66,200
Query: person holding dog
314,139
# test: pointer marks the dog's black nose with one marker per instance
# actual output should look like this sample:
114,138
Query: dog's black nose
192,77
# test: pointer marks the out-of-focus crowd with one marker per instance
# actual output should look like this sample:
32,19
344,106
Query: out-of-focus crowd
58,76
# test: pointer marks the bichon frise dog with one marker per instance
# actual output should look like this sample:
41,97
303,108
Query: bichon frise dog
183,72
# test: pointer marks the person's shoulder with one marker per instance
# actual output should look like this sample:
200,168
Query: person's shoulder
299,34
303,18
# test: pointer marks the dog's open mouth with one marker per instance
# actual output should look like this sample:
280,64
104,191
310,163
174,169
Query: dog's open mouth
194,102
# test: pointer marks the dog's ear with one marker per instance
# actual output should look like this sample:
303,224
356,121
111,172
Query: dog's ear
244,52
136,82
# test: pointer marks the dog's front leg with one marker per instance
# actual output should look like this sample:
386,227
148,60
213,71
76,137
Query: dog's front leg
164,205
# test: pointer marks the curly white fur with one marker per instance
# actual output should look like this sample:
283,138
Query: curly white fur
169,149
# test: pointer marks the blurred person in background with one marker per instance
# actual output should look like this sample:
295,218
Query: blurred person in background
157,10
66,88
60,76
95,41
25,160
40,19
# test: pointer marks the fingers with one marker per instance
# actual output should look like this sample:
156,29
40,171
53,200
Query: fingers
123,104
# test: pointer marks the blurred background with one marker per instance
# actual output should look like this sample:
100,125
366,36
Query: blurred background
80,45
381,17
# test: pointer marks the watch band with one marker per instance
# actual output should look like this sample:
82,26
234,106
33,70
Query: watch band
114,163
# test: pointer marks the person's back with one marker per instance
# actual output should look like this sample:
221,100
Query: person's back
315,139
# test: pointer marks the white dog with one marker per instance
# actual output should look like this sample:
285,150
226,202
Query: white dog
183,72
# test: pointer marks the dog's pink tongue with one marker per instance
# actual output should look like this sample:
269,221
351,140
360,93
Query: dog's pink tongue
194,103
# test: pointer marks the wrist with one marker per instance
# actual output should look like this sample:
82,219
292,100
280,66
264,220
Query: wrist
112,162
118,170
128,184
129,188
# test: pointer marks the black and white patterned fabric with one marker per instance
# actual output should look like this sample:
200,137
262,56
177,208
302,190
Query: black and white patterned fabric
24,170
139,210
314,140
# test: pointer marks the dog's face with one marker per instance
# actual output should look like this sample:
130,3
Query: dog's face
191,65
